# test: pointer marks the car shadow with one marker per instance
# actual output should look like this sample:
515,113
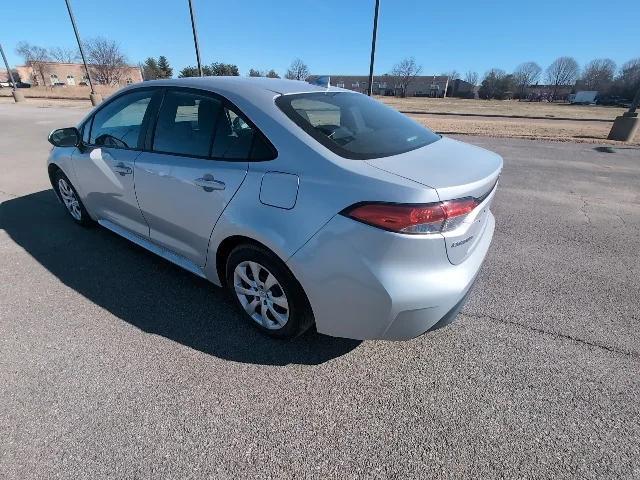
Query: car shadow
148,292
605,149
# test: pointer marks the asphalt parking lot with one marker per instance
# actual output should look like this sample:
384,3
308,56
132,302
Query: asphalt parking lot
116,364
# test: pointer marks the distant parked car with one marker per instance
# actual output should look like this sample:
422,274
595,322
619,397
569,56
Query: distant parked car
613,101
310,204
18,85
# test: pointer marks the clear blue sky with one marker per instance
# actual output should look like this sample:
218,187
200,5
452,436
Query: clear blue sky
334,36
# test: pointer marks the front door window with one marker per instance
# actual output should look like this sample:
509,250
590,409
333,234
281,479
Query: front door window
119,124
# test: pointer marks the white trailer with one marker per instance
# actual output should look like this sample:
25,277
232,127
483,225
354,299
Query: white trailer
584,97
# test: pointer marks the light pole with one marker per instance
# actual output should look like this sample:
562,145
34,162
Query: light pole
373,48
95,97
625,126
195,37
17,96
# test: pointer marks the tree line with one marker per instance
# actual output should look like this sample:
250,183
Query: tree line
298,70
107,65
601,75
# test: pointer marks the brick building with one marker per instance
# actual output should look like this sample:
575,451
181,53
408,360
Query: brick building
71,74
421,86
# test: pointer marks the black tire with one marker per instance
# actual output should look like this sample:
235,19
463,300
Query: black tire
84,218
299,309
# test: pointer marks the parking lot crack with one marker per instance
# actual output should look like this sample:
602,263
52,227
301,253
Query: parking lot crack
559,335
583,209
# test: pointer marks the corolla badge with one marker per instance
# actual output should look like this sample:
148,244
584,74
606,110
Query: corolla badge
462,242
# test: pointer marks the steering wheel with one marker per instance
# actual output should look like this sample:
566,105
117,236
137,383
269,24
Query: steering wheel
329,130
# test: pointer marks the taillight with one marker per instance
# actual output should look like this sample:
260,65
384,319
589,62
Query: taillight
457,210
413,218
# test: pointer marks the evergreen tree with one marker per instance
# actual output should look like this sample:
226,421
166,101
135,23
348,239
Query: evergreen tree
224,69
165,69
193,72
150,69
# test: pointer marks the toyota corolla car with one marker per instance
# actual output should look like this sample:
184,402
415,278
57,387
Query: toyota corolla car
311,205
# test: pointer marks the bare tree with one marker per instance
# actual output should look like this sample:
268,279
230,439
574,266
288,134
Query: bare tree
525,75
297,71
598,74
471,77
452,74
630,71
563,71
107,62
64,55
628,80
35,57
405,72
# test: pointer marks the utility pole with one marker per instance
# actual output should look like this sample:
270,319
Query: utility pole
373,48
195,37
95,97
627,125
17,96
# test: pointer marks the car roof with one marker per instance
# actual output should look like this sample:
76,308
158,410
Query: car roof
242,85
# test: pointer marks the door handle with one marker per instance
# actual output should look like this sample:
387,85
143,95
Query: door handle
123,169
208,183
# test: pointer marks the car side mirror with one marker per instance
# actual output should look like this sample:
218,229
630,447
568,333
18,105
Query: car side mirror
65,137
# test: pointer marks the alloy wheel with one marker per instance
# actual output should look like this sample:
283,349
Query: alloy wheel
70,199
261,295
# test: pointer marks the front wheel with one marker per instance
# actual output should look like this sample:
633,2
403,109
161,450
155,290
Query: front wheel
267,292
71,200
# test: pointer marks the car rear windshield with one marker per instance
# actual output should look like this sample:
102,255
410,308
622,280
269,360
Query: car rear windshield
353,125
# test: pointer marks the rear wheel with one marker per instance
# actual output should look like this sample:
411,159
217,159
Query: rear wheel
267,292
71,200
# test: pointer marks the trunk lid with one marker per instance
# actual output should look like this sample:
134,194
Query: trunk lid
455,170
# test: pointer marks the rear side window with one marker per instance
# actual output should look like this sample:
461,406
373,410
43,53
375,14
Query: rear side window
234,137
119,123
200,125
186,124
355,126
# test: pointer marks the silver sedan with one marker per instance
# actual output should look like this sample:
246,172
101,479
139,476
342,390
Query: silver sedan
311,205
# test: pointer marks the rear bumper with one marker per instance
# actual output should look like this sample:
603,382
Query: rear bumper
365,283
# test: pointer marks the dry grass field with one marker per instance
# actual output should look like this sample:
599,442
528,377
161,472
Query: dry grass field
503,108
492,118
558,130
512,119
